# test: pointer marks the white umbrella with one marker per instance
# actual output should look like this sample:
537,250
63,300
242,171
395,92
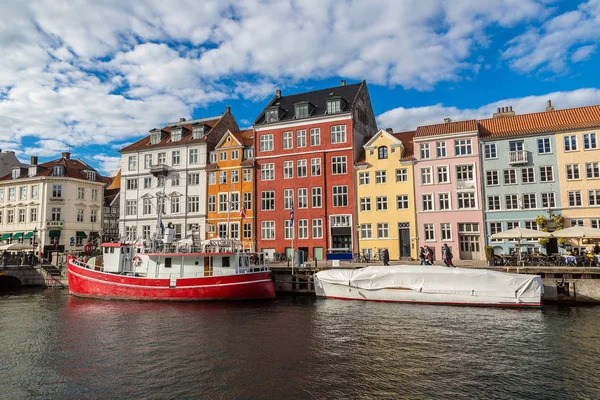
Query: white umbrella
521,233
577,232
17,247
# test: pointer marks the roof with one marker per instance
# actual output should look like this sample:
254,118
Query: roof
115,181
318,98
447,128
109,196
245,137
407,140
73,169
541,122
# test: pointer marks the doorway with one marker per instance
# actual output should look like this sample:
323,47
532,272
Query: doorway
404,239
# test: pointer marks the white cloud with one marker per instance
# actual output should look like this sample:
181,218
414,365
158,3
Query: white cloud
407,119
107,165
583,53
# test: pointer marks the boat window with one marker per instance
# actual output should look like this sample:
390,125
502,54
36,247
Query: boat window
106,250
122,250
112,250
226,262
168,262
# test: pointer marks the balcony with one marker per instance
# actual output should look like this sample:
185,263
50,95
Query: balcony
55,224
159,170
517,157
465,185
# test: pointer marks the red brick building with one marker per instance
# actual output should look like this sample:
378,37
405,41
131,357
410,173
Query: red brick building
305,148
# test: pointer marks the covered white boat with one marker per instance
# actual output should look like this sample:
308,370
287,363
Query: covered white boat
431,285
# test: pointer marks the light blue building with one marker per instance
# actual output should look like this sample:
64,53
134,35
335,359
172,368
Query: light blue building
520,173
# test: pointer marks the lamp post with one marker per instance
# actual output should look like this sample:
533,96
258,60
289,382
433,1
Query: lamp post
358,226
33,256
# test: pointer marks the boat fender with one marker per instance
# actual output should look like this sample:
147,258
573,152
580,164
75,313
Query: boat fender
137,260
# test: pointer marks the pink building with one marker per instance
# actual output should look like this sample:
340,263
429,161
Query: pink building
448,189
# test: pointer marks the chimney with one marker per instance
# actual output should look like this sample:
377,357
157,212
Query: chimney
549,106
278,93
227,110
66,155
504,112
342,82
389,130
447,120
181,119
34,160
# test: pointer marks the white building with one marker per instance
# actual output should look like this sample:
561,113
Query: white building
53,202
180,149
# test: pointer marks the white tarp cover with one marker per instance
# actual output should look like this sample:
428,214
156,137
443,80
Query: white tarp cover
434,279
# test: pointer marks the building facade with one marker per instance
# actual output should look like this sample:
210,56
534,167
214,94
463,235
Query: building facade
110,216
57,204
448,189
305,148
230,204
385,195
171,160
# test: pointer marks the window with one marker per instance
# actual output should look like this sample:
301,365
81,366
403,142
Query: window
212,157
235,154
56,192
147,207
427,200
302,229
248,200
529,201
572,171
175,180
267,200
301,138
442,175
161,159
592,170
317,228
247,230
380,177
462,147
212,203
570,143
381,203
429,233
401,201
10,216
340,196
334,106
466,200
222,177
316,197
589,141
145,231
57,170
303,198
23,193
212,179
193,204
402,175
495,227
492,178
512,202
94,194
338,134
266,142
446,231
595,223
548,200
365,231
288,170
426,176
288,140
56,213
315,138
1,195
440,148
132,163
493,203
288,230
235,176
490,151
147,161
272,114
544,146
424,150
267,172
147,183
93,215
301,170
223,202
315,167
248,153
22,215
35,193
464,173
175,209
81,192
131,207
32,215
515,145
528,175
11,193
510,176
90,175
193,156
364,178
546,174
222,156
365,204
382,231
574,198
267,230
594,197
247,175
382,153
576,222
512,224
444,201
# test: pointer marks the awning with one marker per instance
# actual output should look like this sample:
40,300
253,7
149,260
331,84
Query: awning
55,233
80,234
28,235
6,236
17,235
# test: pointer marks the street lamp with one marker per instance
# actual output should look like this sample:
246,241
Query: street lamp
33,257
358,226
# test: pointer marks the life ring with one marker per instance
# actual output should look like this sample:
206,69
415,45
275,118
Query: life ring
137,260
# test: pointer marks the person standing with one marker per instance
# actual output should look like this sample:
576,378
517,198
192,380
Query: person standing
422,255
386,257
447,256
428,256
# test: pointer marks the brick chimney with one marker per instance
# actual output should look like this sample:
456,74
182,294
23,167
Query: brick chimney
549,106
227,110
34,160
342,82
66,155
447,120
181,119
389,130
278,93
504,112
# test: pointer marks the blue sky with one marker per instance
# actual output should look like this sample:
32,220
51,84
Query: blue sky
95,76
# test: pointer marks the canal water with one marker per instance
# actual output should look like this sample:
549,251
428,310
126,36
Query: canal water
53,346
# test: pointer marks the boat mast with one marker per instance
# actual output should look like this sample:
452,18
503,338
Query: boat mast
159,171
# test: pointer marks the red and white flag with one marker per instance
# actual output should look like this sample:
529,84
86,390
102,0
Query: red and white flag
243,212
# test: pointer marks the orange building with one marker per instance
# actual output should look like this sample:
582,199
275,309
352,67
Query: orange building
230,203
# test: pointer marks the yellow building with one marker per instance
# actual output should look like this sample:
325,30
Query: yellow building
230,203
385,196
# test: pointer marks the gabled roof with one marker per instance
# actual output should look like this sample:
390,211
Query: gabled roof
72,169
447,128
407,140
244,138
115,181
541,122
318,98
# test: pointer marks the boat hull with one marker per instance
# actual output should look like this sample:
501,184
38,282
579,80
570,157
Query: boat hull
84,282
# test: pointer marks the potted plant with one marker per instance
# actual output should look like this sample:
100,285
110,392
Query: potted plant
541,221
489,255
543,241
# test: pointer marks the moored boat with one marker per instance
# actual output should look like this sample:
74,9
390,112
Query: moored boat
431,285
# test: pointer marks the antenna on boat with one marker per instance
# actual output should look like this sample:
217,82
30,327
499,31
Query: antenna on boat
160,171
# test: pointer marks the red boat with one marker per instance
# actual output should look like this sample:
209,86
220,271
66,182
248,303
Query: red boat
216,270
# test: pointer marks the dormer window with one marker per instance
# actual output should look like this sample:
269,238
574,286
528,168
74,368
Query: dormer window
213,157
175,134
198,131
58,170
382,153
155,136
248,153
301,110
334,105
90,175
272,114
16,172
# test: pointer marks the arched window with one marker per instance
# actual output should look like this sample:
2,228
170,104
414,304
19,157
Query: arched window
383,154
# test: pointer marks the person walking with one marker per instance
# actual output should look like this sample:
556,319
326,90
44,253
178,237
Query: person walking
422,255
447,256
386,257
428,256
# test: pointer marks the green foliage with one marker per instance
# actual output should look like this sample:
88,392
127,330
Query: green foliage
541,221
561,241
543,241
489,253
